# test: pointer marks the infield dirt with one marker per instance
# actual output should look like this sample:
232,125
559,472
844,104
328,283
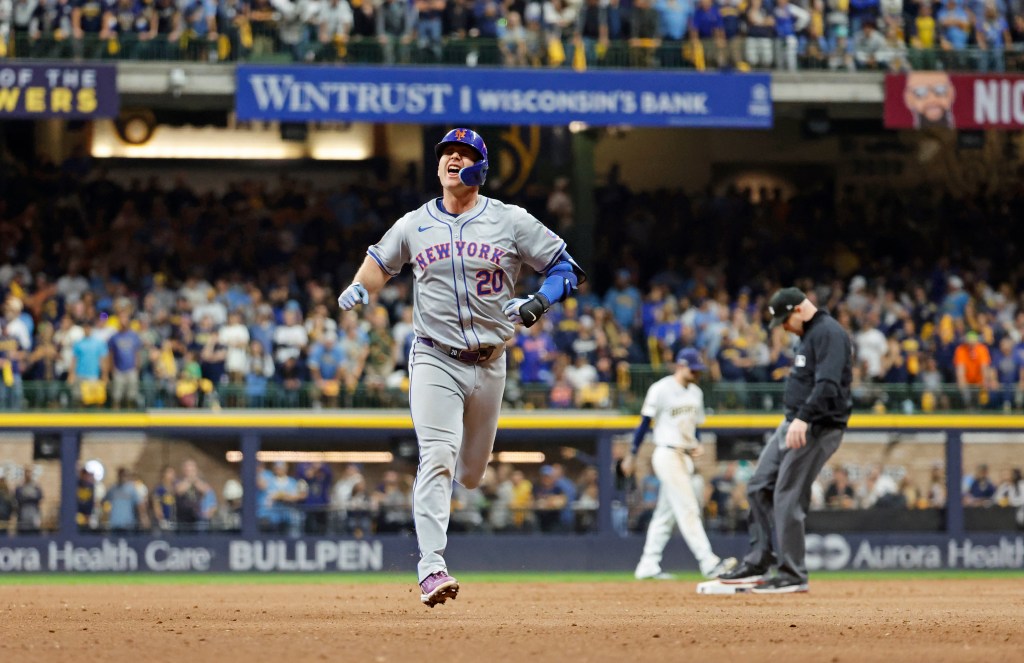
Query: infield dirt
871,620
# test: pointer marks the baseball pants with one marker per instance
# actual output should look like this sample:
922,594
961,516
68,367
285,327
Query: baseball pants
780,493
455,409
677,503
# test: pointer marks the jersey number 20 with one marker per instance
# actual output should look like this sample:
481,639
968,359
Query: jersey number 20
489,282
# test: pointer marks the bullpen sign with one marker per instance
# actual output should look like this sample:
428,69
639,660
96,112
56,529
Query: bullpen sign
57,90
503,96
922,99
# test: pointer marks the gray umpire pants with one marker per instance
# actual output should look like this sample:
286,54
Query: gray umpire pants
780,493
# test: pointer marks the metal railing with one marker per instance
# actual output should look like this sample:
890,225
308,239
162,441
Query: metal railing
260,42
625,394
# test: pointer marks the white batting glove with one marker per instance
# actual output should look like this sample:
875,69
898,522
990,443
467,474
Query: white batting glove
525,311
354,294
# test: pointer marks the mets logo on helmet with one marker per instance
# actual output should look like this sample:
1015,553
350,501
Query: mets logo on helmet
460,134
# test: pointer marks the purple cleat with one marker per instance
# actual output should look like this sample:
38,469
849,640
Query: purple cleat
438,587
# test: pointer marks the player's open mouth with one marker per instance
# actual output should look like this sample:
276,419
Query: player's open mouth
453,169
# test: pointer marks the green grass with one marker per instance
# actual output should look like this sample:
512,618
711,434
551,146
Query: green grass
408,577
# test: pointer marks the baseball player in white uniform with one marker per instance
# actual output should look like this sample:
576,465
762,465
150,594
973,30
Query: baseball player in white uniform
676,406
466,252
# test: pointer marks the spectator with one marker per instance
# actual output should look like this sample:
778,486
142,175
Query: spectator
7,506
89,372
1009,492
972,361
790,20
644,36
513,43
318,479
521,504
429,15
954,31
993,36
936,488
124,505
870,48
624,302
840,493
165,499
280,493
591,34
28,498
85,515
125,351
193,505
707,32
979,489
760,34
923,39
336,24
878,489
395,26
326,370
723,486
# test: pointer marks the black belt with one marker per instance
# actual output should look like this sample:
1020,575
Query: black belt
465,356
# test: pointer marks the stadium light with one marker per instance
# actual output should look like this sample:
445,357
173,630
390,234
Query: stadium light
522,457
315,456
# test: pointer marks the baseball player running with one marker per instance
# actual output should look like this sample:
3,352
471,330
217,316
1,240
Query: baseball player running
466,251
676,405
818,406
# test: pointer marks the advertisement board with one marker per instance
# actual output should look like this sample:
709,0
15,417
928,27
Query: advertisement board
921,99
65,90
503,96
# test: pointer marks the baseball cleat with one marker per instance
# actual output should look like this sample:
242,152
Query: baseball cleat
661,575
744,574
782,585
438,587
723,566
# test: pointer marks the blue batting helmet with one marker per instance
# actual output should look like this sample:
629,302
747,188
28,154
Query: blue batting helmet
690,358
476,174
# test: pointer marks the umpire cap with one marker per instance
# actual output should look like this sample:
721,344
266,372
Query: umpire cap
690,358
476,174
782,303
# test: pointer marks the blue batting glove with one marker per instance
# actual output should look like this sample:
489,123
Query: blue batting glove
354,294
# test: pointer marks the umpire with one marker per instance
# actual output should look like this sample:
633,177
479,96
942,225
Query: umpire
818,406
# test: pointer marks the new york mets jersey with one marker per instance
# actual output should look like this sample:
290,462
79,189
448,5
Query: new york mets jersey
676,412
466,267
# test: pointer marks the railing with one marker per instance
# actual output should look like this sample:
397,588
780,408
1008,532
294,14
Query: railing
261,43
625,394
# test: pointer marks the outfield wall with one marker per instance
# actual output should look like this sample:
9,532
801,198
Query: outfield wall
68,550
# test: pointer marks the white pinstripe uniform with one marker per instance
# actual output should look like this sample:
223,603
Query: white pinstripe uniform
676,411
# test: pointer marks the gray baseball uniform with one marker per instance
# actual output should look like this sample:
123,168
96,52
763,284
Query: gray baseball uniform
465,267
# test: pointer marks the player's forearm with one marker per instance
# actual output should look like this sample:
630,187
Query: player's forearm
371,276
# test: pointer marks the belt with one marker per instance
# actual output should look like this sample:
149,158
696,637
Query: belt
465,356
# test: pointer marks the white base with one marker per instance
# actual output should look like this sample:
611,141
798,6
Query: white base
719,588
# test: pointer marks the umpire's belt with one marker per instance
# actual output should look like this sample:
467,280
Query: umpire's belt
465,356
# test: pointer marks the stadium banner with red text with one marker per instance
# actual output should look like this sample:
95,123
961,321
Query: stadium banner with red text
480,552
426,95
60,90
921,99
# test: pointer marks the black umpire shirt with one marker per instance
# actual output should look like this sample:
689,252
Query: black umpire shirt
818,386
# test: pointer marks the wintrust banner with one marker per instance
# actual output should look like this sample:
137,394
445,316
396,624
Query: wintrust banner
58,90
503,96
922,99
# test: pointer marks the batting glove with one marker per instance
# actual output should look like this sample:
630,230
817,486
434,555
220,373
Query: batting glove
526,311
354,294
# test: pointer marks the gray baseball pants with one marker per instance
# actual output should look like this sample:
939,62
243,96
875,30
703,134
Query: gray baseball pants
780,493
455,409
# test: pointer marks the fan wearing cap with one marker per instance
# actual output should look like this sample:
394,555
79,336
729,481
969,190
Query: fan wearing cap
675,405
818,405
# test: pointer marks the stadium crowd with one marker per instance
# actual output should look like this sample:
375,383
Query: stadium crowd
785,34
154,295
316,498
